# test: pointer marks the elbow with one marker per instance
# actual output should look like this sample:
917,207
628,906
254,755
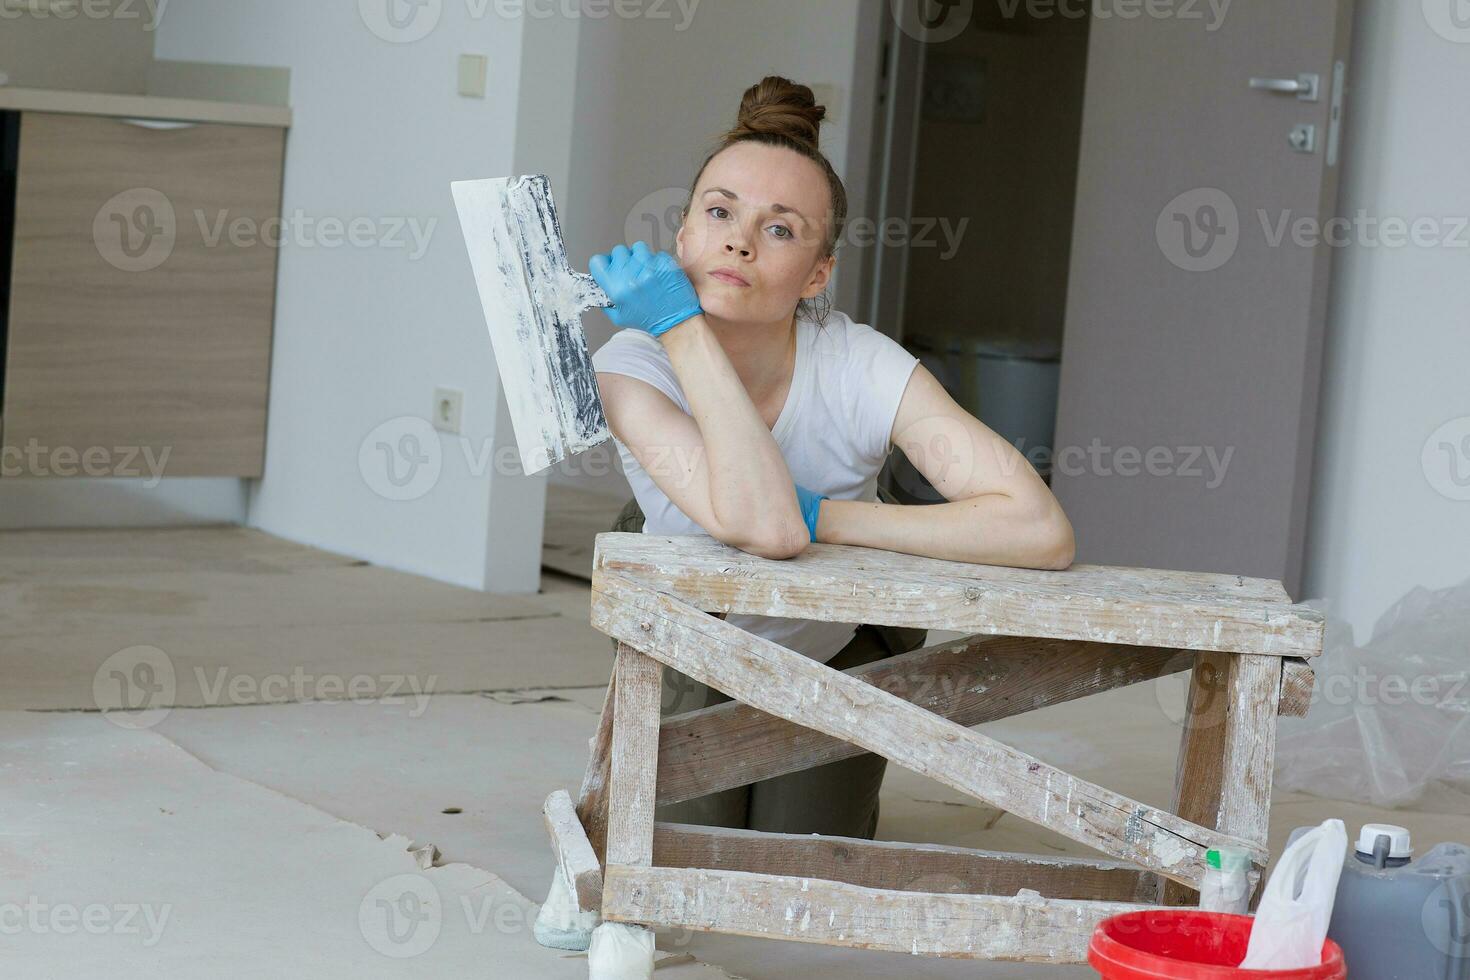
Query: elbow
777,547
774,536
1049,541
1062,559
1062,545
775,539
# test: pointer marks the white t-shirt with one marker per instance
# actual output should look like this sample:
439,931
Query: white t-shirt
833,432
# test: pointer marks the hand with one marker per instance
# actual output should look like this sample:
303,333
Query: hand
811,505
649,291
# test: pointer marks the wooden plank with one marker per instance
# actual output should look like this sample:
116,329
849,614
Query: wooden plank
894,865
1223,777
574,854
1105,604
1297,678
634,773
1252,697
1197,774
616,549
634,758
592,799
970,681
1025,927
791,686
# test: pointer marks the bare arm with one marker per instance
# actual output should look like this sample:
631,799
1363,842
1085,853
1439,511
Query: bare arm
998,510
721,466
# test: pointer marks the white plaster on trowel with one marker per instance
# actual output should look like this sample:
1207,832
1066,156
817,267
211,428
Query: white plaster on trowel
526,288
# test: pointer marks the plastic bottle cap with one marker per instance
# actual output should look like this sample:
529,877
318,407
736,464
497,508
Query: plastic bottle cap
1228,859
1399,844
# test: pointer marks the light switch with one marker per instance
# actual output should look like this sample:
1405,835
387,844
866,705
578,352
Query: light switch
472,75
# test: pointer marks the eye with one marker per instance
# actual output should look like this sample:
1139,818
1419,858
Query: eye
789,232
711,211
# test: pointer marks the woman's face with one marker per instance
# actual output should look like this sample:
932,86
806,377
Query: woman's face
761,212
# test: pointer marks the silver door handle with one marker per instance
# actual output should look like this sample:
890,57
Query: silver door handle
160,124
1304,87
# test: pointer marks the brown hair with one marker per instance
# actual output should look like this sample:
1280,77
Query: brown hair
779,112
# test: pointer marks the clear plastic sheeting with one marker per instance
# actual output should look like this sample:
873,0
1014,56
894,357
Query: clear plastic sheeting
1391,717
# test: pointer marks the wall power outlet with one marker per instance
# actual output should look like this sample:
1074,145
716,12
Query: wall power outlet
448,409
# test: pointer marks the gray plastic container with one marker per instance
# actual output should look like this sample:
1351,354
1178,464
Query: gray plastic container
1401,918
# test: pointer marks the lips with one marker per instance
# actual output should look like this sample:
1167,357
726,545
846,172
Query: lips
730,276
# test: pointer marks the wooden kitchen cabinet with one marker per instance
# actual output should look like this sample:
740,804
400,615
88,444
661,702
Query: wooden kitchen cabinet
135,318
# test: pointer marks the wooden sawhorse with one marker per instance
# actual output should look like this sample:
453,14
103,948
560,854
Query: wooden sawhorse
1043,638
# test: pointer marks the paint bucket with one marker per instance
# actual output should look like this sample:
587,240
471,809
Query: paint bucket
1188,944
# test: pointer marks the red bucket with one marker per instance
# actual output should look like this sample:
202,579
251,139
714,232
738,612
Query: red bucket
1187,944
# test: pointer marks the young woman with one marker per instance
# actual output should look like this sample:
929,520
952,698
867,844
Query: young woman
744,412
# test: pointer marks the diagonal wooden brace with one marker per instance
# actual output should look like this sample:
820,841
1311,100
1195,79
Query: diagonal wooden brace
791,686
971,681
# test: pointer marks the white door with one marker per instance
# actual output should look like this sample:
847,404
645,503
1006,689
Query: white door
1198,283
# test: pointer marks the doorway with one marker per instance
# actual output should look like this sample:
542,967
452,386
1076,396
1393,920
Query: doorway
994,115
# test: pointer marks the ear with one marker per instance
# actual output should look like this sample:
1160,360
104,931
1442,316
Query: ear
679,243
820,277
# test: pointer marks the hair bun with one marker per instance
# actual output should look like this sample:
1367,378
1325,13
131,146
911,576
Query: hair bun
780,107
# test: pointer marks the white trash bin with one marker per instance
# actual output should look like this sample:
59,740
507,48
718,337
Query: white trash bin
1009,385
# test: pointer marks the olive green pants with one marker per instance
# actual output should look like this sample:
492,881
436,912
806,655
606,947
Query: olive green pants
839,799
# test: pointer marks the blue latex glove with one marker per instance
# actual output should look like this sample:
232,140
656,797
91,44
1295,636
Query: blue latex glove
811,505
649,291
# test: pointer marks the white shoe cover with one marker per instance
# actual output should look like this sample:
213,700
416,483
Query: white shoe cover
621,952
559,925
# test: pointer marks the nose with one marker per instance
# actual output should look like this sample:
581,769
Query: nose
739,242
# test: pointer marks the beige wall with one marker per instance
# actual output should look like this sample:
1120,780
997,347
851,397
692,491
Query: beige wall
86,53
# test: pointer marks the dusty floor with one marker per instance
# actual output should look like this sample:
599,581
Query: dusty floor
304,722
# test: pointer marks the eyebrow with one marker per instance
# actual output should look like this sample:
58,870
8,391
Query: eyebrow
778,208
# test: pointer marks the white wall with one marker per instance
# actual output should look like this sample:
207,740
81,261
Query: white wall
653,94
1398,339
364,334
109,51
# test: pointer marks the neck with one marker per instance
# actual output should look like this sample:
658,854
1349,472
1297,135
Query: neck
761,353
